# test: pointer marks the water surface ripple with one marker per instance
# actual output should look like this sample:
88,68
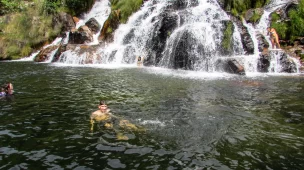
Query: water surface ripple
229,122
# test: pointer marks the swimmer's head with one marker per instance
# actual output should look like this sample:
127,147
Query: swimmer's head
102,105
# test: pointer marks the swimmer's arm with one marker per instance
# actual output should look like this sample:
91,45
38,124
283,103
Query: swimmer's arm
92,121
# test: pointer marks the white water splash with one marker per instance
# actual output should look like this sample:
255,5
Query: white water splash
29,58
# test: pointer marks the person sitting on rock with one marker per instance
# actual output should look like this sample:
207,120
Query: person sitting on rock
273,37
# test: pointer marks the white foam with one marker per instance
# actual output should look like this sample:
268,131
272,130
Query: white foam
153,122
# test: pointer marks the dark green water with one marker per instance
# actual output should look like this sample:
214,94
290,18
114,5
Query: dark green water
223,123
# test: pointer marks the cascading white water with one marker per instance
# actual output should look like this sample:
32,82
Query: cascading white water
141,25
251,62
100,11
202,22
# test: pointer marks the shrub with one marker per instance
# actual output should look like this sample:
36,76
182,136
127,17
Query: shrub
126,7
297,21
255,17
26,50
13,51
281,28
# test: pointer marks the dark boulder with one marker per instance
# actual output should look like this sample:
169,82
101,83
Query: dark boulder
65,20
229,65
81,36
93,25
45,54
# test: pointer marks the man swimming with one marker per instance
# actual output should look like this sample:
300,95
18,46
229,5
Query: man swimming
102,114
108,121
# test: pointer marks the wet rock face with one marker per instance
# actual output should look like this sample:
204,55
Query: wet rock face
167,22
264,62
284,63
230,65
287,8
287,64
182,4
45,54
182,54
262,42
247,42
81,36
93,25
88,53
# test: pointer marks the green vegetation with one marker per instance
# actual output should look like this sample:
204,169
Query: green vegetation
8,6
226,42
292,28
27,25
121,10
239,7
256,17
126,7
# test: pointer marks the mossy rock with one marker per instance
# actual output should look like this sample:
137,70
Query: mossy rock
227,41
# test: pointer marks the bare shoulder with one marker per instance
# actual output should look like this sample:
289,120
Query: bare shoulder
96,113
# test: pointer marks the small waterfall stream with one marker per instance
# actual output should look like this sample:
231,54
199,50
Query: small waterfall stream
100,11
261,28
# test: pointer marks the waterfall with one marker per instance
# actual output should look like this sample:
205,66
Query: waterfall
130,39
202,23
171,34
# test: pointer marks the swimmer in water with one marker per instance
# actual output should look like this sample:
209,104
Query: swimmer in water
2,92
140,61
108,120
102,114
